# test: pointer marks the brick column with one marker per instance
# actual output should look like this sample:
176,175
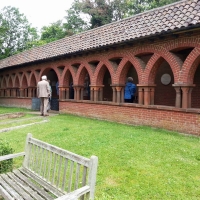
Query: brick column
186,95
101,93
64,92
119,94
21,90
96,93
78,92
114,94
178,96
146,94
30,91
183,94
190,97
91,93
122,95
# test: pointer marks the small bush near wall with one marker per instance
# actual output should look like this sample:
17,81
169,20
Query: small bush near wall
5,149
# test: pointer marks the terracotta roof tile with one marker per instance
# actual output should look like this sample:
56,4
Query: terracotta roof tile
157,21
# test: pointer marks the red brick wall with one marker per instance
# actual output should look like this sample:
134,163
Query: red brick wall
174,119
16,102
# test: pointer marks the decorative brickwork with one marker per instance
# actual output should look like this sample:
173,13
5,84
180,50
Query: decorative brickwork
92,75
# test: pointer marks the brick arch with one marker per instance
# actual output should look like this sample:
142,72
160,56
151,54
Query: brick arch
3,84
100,75
159,53
123,69
126,56
46,70
100,71
179,43
24,81
82,70
16,81
80,78
33,81
151,69
10,82
189,66
66,76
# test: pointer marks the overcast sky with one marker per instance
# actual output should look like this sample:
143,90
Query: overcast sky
40,12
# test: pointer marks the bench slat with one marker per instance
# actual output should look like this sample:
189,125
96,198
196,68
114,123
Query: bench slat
48,173
23,185
49,166
77,176
15,186
9,189
71,156
43,183
59,171
5,194
40,191
65,173
70,176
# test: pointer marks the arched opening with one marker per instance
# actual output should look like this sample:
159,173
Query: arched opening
195,99
164,92
10,85
16,85
53,78
107,90
3,87
86,90
24,90
68,91
84,83
33,86
132,73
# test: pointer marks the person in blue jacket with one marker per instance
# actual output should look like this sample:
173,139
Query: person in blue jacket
129,91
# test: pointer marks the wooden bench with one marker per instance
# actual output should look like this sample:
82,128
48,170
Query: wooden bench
49,172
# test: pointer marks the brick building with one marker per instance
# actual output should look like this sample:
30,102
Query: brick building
160,49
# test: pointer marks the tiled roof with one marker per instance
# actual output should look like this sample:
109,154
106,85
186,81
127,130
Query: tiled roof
176,16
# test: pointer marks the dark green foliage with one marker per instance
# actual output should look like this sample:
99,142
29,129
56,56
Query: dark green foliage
16,34
5,149
101,12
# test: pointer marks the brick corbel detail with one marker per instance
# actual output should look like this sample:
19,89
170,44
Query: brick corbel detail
183,100
146,94
96,92
178,96
78,92
64,92
21,92
118,93
32,91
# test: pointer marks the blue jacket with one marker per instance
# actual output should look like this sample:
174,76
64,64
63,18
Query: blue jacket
129,90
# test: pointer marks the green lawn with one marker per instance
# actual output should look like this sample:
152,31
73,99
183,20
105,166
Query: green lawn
135,162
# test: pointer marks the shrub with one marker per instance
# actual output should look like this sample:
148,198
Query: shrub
5,149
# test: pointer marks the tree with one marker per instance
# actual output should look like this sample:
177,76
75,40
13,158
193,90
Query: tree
16,33
75,23
102,12
53,32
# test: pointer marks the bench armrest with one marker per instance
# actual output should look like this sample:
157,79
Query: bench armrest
75,194
10,156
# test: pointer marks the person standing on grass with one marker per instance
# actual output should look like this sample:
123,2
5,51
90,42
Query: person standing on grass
43,92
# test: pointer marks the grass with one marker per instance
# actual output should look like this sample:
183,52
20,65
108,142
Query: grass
135,162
